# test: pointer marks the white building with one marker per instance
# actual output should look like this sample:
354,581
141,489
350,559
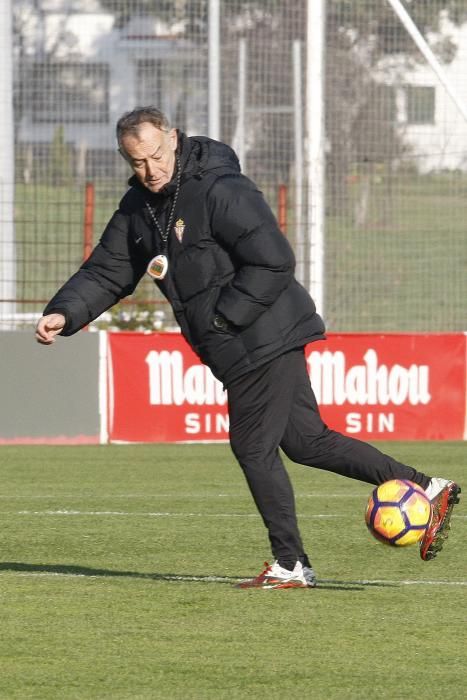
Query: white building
77,70
429,120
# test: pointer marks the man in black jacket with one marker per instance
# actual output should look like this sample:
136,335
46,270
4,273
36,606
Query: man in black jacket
204,233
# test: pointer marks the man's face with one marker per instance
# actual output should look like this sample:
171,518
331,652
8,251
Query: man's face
151,154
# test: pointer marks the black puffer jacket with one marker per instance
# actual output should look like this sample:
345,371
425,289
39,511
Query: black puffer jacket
231,260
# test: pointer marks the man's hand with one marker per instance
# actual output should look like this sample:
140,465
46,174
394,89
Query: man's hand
48,327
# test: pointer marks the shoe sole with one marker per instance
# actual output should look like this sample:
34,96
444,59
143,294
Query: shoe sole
429,550
274,585
290,584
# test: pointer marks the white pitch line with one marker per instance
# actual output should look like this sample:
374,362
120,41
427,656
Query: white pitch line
166,514
232,579
158,514
382,582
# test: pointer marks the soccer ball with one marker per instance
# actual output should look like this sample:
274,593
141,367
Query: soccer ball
398,512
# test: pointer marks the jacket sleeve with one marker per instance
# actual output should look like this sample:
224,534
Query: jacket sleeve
110,273
244,225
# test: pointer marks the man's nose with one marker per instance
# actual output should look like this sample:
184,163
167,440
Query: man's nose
151,168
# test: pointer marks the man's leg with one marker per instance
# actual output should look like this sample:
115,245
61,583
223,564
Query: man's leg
307,440
259,404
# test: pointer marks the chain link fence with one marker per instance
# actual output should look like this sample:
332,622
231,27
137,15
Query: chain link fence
394,156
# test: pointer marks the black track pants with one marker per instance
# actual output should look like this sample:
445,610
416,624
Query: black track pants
274,406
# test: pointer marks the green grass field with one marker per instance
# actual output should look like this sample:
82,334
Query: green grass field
118,572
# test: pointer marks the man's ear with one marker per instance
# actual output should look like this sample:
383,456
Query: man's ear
173,139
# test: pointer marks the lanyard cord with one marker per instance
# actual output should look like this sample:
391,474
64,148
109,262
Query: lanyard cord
165,234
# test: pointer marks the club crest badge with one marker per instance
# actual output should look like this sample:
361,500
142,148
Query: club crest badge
179,229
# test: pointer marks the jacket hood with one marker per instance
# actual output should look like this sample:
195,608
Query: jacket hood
198,156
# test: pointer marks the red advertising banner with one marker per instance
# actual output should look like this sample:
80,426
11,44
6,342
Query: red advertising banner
392,387
388,387
160,392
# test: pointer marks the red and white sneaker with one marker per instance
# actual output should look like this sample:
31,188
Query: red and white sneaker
275,576
444,495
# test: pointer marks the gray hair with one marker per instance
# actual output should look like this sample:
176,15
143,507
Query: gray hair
130,122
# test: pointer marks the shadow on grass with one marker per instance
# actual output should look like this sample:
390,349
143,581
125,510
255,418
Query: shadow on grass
85,571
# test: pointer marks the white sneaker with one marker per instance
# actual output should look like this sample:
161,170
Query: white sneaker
435,487
275,576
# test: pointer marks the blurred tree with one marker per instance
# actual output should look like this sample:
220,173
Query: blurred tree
60,159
